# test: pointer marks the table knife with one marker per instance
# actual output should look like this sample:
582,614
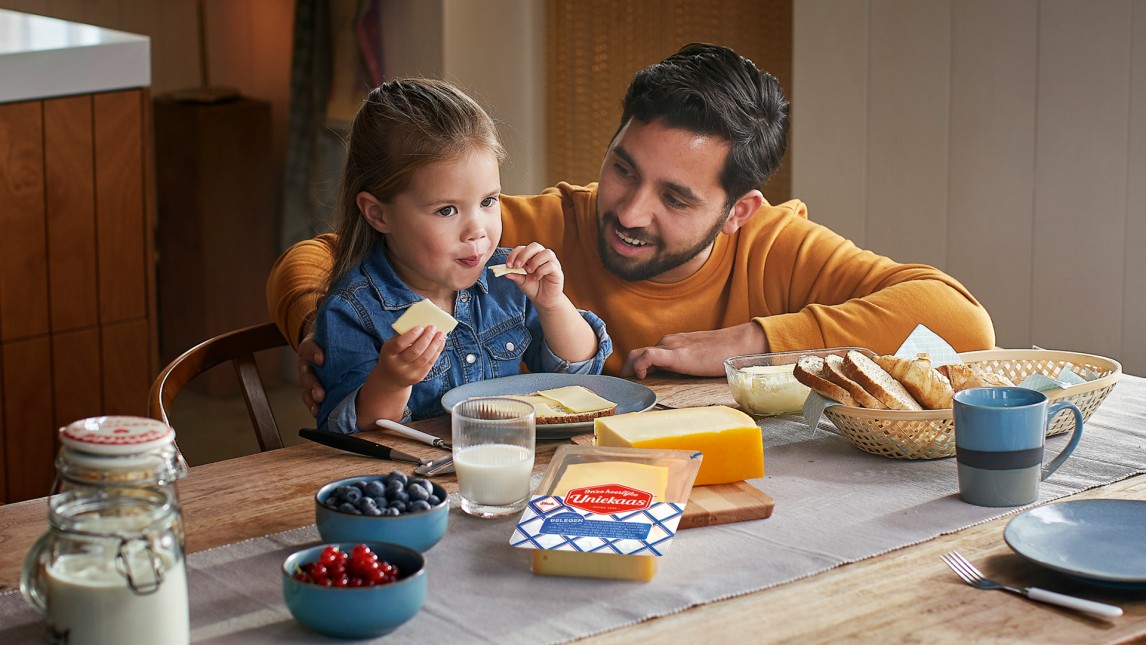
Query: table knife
416,435
359,446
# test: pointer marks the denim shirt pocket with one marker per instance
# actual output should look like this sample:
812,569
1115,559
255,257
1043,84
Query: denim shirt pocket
425,400
506,346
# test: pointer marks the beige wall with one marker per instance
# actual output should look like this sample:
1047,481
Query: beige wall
1004,142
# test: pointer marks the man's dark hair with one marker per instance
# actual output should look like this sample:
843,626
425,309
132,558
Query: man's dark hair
712,90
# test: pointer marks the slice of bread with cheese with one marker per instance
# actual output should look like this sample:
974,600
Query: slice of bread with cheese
569,404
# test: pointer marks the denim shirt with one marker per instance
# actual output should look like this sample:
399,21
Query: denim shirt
497,330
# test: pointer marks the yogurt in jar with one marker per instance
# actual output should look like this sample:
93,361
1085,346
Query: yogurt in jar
89,601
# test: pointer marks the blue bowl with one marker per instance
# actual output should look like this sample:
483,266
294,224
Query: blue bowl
357,612
419,531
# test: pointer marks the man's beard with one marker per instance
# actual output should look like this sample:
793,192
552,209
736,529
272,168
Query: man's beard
632,270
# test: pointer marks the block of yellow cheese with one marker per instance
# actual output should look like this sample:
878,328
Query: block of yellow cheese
646,477
730,440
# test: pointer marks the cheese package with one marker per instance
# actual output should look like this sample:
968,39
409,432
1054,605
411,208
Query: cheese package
606,512
730,440
424,313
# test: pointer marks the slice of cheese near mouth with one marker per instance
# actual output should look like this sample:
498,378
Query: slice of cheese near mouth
422,314
500,270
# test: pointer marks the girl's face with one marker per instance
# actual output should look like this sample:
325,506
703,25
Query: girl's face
441,231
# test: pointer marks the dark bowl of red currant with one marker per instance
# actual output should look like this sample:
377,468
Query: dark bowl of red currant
354,590
395,508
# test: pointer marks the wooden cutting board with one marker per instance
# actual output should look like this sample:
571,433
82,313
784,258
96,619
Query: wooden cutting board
717,503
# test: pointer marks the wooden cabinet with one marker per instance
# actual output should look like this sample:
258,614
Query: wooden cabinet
77,294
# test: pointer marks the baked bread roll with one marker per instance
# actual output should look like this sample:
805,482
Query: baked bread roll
927,386
834,371
963,376
810,370
878,382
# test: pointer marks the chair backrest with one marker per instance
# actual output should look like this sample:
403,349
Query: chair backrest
239,347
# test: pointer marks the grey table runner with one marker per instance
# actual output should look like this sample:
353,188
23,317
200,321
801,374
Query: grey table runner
834,505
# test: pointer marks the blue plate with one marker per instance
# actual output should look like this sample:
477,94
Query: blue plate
629,396
1095,540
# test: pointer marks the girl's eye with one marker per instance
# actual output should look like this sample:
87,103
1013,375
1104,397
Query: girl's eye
488,202
622,170
447,211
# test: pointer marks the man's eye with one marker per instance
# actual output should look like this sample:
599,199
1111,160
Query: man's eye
446,211
488,202
674,202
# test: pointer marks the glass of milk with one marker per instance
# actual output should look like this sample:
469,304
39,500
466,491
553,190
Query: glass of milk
493,440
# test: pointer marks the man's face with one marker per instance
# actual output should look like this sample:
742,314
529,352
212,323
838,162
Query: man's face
660,205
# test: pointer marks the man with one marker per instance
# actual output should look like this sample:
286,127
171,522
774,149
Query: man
676,249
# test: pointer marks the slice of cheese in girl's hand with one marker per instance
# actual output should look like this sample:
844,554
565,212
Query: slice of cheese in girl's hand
500,270
730,440
424,313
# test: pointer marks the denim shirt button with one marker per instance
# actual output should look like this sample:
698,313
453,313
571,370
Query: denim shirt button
465,296
509,347
470,358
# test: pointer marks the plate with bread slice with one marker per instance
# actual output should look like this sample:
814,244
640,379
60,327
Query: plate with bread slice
566,404
901,407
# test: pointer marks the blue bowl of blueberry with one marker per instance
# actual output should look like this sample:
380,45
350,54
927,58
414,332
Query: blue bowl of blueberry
395,508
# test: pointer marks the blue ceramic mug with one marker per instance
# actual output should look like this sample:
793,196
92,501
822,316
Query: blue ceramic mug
999,437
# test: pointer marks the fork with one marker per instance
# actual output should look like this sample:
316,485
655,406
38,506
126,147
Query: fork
972,576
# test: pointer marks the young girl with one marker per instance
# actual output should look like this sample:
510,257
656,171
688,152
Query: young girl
420,218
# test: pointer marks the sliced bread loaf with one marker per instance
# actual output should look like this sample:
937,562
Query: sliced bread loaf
878,382
810,370
834,371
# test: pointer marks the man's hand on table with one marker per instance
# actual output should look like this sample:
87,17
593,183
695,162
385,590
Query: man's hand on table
697,353
312,391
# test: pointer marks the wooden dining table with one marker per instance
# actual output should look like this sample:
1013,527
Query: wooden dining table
906,595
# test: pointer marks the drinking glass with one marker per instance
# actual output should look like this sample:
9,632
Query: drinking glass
494,440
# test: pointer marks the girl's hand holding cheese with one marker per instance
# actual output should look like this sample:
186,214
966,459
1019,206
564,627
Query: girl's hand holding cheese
544,285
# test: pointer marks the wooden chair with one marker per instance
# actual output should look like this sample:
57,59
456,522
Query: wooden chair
239,347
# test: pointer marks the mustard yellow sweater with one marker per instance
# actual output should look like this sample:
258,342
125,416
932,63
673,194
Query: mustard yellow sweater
806,286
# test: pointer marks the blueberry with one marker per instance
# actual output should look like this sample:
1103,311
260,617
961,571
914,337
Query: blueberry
396,475
401,506
433,500
360,485
392,511
347,507
373,511
374,488
365,503
419,506
421,481
417,493
351,495
332,501
380,501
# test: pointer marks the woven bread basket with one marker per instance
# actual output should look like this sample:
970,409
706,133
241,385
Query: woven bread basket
930,434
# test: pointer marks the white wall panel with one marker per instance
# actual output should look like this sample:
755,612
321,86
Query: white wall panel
1080,180
994,58
907,130
1134,286
829,147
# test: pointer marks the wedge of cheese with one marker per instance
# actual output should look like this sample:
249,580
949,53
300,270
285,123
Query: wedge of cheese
651,479
422,314
730,440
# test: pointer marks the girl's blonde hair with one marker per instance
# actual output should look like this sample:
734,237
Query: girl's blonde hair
402,126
